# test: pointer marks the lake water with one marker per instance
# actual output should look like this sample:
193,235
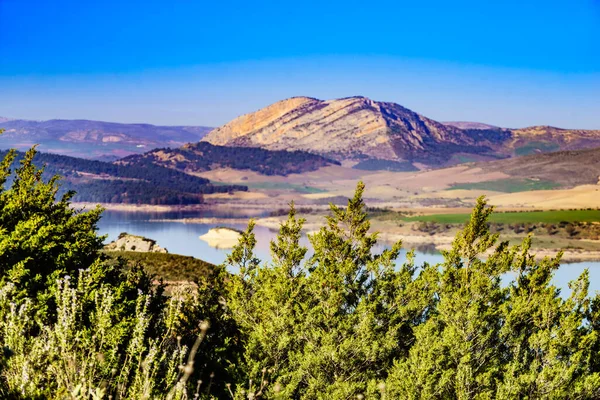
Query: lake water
182,238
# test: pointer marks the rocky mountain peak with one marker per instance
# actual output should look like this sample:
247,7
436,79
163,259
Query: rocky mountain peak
343,128
358,127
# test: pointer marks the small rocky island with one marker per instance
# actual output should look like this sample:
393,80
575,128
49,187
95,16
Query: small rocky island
128,242
221,237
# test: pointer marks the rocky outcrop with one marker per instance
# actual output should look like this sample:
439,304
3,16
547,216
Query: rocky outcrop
127,242
221,237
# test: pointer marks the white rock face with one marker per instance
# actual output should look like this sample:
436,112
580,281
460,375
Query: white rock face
127,242
221,238
354,125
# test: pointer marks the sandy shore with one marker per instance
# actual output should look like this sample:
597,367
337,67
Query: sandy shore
162,208
139,207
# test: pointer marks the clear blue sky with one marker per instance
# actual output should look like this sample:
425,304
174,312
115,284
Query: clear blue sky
511,63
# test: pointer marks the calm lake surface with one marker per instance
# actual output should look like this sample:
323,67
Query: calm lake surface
181,238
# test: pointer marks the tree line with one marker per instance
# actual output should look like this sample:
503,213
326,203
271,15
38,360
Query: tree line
203,156
103,182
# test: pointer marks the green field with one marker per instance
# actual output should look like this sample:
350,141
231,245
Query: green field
536,147
552,217
508,185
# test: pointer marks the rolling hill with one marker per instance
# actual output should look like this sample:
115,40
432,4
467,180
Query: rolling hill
103,182
565,168
94,139
203,156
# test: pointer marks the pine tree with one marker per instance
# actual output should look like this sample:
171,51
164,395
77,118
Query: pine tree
549,344
457,350
484,341
331,326
266,302
41,237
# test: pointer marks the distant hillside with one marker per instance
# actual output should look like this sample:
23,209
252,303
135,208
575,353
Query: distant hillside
204,156
469,125
567,168
544,139
376,135
359,128
94,139
102,182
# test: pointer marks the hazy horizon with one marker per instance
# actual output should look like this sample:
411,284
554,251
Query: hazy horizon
511,64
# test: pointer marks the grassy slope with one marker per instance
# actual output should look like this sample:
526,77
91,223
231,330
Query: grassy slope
536,147
566,168
170,267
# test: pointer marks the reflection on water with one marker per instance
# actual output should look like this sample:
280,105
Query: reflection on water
181,238
428,248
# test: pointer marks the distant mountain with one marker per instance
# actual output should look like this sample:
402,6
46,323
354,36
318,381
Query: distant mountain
94,139
103,182
203,156
469,125
354,127
359,128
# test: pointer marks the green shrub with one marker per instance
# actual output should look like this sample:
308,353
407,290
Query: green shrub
347,323
343,323
76,323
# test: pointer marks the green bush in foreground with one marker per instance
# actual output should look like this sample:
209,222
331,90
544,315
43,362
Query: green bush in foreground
343,323
349,323
76,323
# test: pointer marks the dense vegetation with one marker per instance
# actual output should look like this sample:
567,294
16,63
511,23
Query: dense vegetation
343,323
491,135
103,182
203,156
76,323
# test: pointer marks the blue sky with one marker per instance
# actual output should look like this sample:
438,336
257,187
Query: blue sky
510,63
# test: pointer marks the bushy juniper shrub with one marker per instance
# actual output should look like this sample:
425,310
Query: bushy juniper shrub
344,323
77,323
